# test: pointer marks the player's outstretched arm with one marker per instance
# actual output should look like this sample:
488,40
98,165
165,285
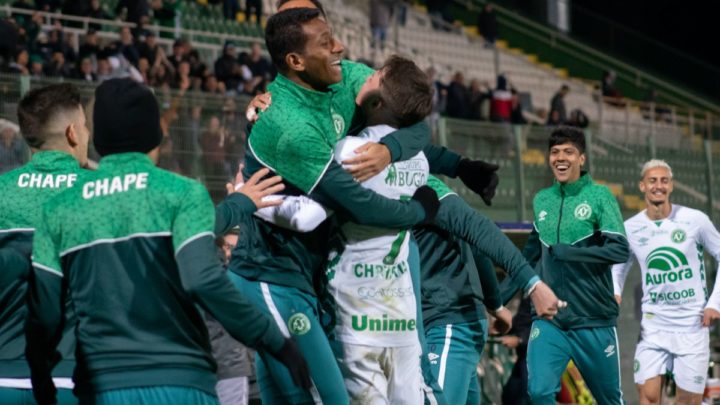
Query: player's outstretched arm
619,274
339,192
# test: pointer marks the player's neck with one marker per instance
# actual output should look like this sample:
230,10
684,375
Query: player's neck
657,212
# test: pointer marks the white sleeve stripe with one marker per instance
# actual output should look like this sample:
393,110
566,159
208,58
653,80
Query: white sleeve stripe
47,269
11,230
115,240
193,238
332,157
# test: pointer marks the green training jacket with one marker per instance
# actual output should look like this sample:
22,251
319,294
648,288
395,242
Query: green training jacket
133,246
24,191
578,235
295,137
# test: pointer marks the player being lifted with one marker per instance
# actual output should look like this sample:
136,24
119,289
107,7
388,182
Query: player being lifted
668,242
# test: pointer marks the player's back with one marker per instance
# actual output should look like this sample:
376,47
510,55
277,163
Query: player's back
25,189
117,233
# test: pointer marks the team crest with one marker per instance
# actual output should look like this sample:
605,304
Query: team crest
583,211
339,123
636,366
299,324
678,236
534,333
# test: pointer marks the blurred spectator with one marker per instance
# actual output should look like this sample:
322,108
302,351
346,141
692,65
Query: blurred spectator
148,49
477,97
438,102
553,118
8,40
578,119
96,11
260,68
255,5
78,8
380,14
179,52
213,142
43,47
230,9
85,71
13,150
126,46
487,25
226,67
182,76
609,91
662,113
104,69
198,68
166,159
164,12
57,66
557,104
516,112
20,64
501,103
37,66
90,47
213,86
457,97
137,10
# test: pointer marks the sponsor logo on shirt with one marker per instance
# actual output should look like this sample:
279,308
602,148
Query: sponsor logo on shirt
383,271
390,292
667,265
583,211
407,173
299,324
365,323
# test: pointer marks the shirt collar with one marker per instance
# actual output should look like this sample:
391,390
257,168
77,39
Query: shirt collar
54,159
574,187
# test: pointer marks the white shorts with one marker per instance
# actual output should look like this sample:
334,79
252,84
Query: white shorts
685,354
232,391
381,375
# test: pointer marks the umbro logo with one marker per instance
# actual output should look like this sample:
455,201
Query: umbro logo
610,350
433,358
542,215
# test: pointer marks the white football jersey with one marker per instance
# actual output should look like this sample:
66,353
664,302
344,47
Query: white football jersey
670,253
370,280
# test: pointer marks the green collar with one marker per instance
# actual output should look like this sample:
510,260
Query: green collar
53,159
574,187
120,159
309,96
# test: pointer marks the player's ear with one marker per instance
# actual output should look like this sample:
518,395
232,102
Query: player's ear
71,135
641,186
582,159
295,62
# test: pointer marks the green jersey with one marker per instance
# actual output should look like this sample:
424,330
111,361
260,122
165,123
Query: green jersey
25,189
578,235
456,278
133,246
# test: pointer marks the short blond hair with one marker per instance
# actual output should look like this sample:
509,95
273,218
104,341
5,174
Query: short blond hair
653,163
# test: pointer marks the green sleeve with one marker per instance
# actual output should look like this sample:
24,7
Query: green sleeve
232,211
488,280
203,278
610,219
340,192
442,160
407,142
303,158
458,218
610,249
45,302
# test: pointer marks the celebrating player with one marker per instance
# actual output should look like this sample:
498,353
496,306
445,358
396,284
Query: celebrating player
578,234
667,240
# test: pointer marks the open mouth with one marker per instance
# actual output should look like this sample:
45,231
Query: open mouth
562,168
336,66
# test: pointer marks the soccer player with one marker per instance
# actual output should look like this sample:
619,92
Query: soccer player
133,246
578,234
668,241
295,137
52,121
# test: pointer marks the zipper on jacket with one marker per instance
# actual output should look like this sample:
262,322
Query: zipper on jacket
562,203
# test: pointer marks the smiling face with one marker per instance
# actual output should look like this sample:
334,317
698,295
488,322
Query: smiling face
657,185
319,62
566,162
